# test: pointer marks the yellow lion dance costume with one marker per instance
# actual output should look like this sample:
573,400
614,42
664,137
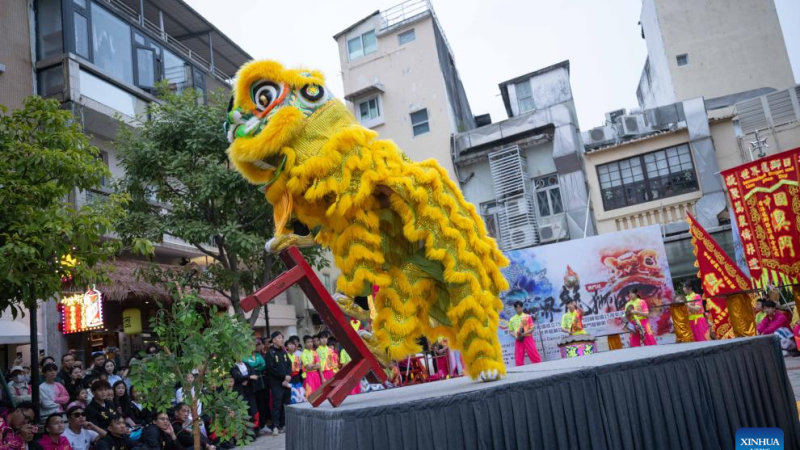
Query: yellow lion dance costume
391,222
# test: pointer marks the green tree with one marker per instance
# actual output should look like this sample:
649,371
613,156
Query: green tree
205,341
44,160
181,183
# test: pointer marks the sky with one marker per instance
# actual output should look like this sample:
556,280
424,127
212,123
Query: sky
492,42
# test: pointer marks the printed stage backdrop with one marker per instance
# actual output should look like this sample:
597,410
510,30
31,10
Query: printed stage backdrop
599,272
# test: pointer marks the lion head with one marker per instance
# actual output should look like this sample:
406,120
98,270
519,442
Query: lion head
269,108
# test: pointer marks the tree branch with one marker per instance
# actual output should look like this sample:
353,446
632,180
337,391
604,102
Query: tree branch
207,252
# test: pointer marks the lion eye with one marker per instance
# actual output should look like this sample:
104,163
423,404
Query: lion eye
264,93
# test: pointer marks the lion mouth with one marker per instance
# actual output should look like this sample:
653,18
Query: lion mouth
239,127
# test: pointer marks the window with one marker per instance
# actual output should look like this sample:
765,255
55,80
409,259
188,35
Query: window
548,196
489,215
406,36
103,156
145,68
51,81
369,111
81,35
683,59
419,122
646,178
48,29
362,45
524,96
111,39
177,71
326,280
199,84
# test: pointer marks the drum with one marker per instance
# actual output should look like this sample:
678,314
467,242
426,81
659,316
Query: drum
577,345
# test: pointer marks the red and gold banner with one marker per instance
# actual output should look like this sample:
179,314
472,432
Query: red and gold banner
765,195
717,271
720,319
720,276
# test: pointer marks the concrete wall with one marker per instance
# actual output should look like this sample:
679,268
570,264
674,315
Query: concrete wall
16,82
548,89
655,83
732,46
412,78
723,133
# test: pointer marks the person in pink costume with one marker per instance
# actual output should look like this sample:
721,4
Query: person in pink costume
638,315
521,327
773,321
697,318
328,359
310,363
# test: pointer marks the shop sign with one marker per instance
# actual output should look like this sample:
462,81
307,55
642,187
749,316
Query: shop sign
82,312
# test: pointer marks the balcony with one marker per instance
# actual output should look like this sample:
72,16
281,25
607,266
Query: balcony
197,35
106,56
642,216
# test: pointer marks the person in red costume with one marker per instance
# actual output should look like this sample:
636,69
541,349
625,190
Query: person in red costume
773,321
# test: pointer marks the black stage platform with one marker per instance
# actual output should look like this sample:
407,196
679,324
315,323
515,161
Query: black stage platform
687,396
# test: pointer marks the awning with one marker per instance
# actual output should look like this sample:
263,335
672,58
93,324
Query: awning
15,331
126,284
363,92
191,29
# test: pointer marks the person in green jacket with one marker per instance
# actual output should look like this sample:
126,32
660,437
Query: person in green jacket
257,366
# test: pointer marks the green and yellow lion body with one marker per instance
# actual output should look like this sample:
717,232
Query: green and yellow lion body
390,222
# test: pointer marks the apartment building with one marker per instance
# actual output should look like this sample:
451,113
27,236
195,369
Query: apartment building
525,174
711,49
400,79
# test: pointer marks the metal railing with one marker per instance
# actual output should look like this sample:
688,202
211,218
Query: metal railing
662,215
174,43
410,9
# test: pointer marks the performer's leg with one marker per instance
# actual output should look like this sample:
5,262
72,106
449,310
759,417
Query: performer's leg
635,341
530,348
287,399
649,337
262,405
277,403
475,320
519,354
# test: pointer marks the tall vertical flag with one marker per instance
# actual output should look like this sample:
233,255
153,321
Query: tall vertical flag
765,196
719,274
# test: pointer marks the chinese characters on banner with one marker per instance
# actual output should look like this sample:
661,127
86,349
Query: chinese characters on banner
765,195
720,276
